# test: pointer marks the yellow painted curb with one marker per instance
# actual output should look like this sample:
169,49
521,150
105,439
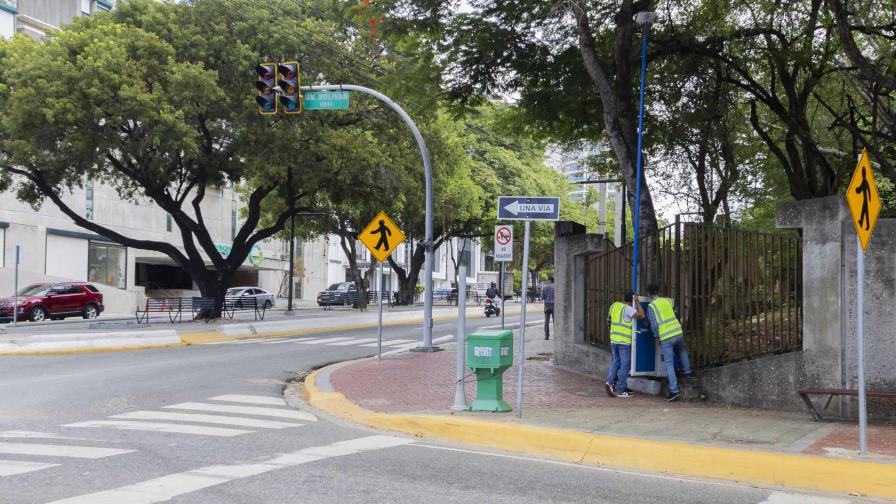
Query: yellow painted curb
92,350
779,469
198,338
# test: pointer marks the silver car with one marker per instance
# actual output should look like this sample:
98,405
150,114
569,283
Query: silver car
242,297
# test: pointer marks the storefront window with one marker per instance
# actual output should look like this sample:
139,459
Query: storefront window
107,264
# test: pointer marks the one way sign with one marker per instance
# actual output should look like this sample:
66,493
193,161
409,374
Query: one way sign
528,208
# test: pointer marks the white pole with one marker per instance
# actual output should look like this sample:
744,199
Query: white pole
15,298
379,330
860,328
522,354
502,282
460,400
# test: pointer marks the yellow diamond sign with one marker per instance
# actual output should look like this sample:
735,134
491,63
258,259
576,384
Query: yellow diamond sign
863,199
381,236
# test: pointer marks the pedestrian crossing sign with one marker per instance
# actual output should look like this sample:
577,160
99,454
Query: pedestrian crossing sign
863,199
381,237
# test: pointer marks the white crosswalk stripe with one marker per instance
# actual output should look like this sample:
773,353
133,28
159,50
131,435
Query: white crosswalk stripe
14,467
168,487
356,341
245,410
317,341
212,419
250,399
49,450
787,498
161,427
394,342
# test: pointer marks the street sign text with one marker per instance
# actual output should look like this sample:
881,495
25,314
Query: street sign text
326,100
528,208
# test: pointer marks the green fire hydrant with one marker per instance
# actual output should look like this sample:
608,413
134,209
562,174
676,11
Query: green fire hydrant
489,354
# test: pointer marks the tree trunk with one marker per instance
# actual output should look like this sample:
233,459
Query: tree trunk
212,285
407,278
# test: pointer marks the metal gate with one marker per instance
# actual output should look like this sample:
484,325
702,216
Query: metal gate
739,293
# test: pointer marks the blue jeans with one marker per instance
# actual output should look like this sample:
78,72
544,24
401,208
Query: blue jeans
622,363
669,348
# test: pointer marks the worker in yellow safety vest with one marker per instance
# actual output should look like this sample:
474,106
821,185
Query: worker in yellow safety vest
667,328
621,318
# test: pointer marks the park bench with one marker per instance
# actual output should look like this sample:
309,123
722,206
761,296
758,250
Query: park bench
233,304
175,308
805,393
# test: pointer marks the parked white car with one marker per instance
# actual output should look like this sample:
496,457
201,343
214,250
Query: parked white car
242,297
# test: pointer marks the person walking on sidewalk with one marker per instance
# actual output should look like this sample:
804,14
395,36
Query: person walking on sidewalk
621,318
666,327
547,295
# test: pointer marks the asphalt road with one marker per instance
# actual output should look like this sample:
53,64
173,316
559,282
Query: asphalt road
207,424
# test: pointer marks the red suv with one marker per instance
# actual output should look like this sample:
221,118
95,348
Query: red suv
54,301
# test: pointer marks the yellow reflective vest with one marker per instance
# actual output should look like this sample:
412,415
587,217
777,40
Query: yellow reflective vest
667,324
620,330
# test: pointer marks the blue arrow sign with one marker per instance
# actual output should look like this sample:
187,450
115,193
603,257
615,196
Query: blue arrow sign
528,208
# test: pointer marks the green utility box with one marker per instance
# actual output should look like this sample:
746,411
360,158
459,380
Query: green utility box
489,354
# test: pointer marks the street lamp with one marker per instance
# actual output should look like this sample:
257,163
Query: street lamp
645,19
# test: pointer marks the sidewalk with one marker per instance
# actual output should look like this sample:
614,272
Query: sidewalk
568,415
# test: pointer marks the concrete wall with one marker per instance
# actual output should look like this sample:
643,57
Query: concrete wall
768,382
829,292
571,247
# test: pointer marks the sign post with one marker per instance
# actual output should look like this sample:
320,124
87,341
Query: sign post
381,237
527,209
460,400
17,255
503,254
864,204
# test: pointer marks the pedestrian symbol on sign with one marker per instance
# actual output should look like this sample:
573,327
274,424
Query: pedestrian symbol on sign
384,233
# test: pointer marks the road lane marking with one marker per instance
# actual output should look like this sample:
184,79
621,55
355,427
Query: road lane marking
39,435
250,399
13,467
317,341
245,410
356,341
46,450
788,498
170,428
212,419
394,342
168,487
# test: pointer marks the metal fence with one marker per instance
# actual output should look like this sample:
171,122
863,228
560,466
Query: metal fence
738,292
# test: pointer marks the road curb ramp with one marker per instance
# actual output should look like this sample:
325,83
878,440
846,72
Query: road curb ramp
768,468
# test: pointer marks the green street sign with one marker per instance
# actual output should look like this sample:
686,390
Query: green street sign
326,100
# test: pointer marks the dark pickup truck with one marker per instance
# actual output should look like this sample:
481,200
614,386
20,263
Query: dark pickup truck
344,293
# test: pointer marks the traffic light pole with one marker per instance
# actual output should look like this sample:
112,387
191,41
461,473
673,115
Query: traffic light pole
426,346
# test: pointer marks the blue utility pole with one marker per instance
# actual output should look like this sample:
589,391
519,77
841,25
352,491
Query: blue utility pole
644,19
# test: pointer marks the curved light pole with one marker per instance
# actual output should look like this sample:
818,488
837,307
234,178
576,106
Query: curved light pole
645,19
426,346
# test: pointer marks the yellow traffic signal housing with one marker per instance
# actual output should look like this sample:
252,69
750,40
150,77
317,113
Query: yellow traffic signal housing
289,80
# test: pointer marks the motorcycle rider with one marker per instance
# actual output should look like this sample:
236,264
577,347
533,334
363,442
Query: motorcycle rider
492,293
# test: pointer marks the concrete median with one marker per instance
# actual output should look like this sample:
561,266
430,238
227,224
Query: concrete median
73,342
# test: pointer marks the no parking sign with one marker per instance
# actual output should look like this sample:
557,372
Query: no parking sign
503,243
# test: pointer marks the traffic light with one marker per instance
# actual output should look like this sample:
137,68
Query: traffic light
288,80
267,79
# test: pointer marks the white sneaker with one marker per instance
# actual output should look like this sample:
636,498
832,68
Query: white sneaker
625,394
